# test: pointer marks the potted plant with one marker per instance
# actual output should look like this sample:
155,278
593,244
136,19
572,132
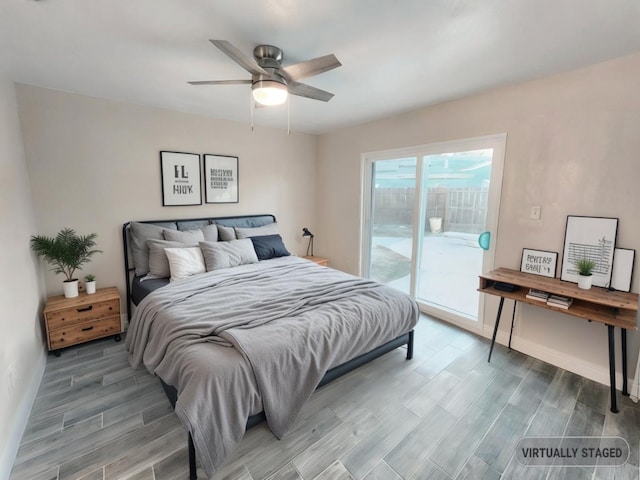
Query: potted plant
90,283
67,252
585,272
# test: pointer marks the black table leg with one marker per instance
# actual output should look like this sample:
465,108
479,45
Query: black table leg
513,319
495,329
623,334
612,368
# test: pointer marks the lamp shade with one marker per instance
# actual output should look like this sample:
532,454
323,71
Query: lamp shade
269,92
307,233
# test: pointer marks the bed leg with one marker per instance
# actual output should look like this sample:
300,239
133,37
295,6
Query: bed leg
410,346
193,474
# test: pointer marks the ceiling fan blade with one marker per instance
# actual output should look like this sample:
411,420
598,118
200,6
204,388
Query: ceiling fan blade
221,82
241,58
304,90
312,67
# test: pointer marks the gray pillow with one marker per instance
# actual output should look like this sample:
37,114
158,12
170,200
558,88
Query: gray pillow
210,233
271,229
140,233
192,224
158,261
226,234
188,236
218,255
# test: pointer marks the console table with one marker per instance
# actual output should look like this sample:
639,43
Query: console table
612,308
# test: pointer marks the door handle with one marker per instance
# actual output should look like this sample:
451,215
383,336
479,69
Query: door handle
484,240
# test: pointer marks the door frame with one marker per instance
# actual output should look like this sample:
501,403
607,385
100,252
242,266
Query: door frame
498,143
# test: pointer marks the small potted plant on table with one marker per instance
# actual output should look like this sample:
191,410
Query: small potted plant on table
90,283
585,272
67,252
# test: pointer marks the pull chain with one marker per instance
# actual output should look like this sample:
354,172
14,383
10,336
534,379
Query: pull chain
289,115
252,107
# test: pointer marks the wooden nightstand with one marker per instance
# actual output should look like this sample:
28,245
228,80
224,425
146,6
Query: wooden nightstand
319,260
70,321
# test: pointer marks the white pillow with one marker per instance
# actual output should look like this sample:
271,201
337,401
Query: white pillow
184,262
218,255
158,261
270,229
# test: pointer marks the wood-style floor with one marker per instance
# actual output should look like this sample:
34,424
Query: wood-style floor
446,414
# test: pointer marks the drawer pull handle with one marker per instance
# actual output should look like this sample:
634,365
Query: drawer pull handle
86,329
86,309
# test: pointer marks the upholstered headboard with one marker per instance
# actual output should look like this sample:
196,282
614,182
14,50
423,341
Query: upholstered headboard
133,241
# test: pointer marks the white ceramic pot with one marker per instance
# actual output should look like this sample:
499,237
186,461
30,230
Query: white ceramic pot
584,281
90,287
435,224
70,288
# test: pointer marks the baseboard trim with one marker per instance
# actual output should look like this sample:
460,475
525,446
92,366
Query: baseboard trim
16,430
589,370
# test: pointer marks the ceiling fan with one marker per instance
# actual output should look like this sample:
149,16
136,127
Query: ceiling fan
270,81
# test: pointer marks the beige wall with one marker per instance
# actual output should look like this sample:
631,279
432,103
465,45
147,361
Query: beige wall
572,147
95,164
22,357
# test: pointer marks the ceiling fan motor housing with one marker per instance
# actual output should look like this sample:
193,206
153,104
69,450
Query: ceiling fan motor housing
268,56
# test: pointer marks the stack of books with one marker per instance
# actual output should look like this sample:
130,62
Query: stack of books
559,301
537,295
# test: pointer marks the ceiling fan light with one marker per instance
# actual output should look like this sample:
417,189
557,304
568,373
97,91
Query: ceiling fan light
269,92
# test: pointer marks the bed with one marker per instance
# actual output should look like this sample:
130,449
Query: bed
254,334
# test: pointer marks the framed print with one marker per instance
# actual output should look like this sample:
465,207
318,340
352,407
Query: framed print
180,178
220,179
623,259
539,262
592,238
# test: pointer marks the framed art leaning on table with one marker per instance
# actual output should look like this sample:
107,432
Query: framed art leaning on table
590,238
539,262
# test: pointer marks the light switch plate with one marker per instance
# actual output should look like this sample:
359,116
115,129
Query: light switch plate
534,213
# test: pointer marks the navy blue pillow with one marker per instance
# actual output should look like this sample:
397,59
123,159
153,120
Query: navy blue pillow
269,246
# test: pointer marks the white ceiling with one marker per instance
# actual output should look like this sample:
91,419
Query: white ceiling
397,55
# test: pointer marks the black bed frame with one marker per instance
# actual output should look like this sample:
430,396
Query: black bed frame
128,268
334,373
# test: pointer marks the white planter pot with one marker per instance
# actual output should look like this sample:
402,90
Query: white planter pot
584,281
435,224
70,288
90,287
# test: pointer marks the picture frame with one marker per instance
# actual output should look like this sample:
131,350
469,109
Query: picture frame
593,238
221,178
622,274
539,262
180,177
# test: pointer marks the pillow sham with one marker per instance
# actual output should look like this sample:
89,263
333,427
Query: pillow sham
269,246
158,261
226,234
271,229
140,233
219,255
187,236
184,262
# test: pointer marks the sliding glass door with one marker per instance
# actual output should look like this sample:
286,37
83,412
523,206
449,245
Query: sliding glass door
393,187
424,210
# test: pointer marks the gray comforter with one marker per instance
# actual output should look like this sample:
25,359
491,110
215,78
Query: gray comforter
258,337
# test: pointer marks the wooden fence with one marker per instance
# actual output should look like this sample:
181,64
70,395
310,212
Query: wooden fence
462,209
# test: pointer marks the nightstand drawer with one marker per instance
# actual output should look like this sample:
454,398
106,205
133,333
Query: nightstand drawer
82,313
83,332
